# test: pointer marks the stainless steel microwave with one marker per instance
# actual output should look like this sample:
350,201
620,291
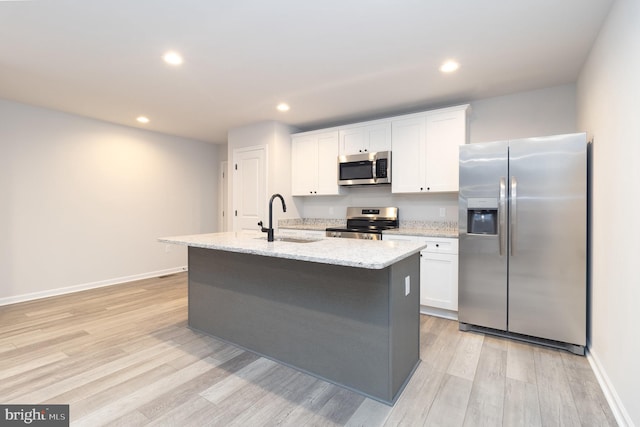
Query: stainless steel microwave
365,168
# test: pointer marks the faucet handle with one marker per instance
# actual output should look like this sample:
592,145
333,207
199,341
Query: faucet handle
264,230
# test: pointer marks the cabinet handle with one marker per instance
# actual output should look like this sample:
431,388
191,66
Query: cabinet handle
421,188
437,245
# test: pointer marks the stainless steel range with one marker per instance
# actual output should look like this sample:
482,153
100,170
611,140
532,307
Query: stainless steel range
366,223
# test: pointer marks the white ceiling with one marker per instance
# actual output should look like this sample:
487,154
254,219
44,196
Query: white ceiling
333,61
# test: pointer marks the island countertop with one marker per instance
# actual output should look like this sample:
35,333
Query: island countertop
358,253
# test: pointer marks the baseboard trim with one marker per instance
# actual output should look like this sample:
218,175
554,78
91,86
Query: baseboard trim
618,409
99,284
439,312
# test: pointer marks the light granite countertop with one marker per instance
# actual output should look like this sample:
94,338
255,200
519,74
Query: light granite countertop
446,229
346,252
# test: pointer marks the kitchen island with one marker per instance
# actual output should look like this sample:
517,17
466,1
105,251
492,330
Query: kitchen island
343,310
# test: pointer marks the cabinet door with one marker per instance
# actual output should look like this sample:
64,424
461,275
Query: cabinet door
327,164
304,167
366,138
439,280
352,140
445,133
408,155
378,137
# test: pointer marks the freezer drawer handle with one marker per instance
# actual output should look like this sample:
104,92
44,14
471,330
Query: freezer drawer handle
501,214
513,214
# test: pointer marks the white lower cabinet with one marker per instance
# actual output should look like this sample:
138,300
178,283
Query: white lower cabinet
438,274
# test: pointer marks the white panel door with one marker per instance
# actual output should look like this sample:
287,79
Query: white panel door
250,188
223,194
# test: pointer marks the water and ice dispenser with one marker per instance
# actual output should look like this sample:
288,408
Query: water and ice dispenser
482,215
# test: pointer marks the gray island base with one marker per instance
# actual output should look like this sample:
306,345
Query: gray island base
351,326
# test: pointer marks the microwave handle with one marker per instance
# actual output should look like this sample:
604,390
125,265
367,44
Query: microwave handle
374,171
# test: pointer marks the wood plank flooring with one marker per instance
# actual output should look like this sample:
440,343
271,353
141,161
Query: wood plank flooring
124,356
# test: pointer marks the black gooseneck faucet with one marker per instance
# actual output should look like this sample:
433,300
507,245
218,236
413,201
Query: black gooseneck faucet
269,230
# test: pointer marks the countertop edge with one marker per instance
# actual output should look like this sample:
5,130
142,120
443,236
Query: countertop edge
289,252
445,234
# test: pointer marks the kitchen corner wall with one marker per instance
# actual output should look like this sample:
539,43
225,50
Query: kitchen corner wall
83,201
541,112
609,108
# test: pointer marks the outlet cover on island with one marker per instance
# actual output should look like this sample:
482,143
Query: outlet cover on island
443,212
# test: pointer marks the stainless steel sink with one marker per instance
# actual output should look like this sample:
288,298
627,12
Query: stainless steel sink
295,240
291,239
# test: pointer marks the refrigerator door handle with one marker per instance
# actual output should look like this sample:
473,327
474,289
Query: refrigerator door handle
501,215
513,215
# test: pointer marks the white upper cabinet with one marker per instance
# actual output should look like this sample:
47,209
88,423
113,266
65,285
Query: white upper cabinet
446,132
314,164
425,150
365,138
408,155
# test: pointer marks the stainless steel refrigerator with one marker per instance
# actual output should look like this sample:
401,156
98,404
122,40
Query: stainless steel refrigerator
523,239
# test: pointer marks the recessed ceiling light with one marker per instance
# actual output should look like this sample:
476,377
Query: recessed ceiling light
449,66
143,119
172,58
283,107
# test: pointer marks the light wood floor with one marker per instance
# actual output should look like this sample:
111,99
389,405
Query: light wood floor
124,356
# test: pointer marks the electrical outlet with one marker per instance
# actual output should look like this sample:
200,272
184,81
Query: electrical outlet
407,285
443,212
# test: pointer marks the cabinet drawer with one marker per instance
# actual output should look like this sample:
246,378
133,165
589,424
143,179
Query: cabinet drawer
440,245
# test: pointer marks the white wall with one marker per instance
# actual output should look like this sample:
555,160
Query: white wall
609,109
549,111
83,201
536,113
